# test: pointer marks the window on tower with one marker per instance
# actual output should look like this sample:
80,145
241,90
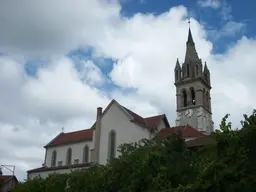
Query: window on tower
188,70
207,100
197,70
204,96
193,95
184,97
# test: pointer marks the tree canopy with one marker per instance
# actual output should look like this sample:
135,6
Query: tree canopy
168,164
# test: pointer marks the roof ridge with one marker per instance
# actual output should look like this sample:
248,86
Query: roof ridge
8,177
130,111
190,127
75,136
78,131
154,116
49,143
187,132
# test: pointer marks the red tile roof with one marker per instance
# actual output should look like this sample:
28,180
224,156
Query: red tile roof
84,135
42,169
153,121
148,121
136,117
186,131
6,178
71,137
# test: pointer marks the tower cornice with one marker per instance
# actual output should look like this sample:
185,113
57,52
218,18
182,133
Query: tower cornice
191,80
193,107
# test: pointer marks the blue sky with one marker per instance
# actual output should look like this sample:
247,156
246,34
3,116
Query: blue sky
62,59
213,18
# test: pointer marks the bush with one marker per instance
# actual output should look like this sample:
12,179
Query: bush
166,164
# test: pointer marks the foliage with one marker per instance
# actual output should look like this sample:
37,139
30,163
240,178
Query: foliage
1,182
167,164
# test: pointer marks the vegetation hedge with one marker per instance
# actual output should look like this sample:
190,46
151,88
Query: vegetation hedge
167,165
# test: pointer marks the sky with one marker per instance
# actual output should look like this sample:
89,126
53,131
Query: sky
61,59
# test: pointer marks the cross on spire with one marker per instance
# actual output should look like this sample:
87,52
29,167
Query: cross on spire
190,38
62,129
191,53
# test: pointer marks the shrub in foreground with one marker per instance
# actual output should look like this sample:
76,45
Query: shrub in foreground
166,164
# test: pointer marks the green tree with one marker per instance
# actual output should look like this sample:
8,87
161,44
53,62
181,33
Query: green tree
233,168
35,185
167,164
156,165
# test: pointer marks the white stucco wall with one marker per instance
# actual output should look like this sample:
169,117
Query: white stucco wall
161,125
114,119
44,174
77,152
126,131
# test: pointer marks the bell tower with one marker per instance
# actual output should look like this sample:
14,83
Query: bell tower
193,86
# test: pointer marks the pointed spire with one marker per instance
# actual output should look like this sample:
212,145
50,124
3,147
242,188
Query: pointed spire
207,74
190,38
206,70
177,64
191,53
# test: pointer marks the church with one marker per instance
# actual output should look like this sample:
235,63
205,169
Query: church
117,124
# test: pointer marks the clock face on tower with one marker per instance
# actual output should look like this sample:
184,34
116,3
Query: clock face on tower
199,112
178,116
189,113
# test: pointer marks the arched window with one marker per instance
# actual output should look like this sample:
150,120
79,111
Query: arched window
54,158
188,70
112,144
197,70
193,95
86,154
207,99
184,97
69,156
204,97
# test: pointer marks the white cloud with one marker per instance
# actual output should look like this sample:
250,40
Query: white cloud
48,27
60,86
210,3
145,47
91,73
229,29
33,109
